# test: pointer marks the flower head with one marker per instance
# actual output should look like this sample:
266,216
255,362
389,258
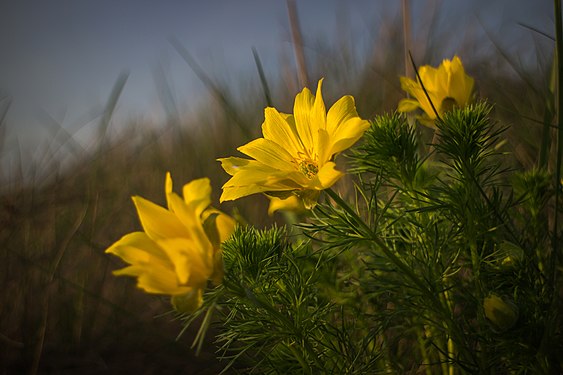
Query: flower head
295,156
446,86
179,249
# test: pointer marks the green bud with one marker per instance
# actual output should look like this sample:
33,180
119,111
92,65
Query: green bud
510,254
501,313
188,303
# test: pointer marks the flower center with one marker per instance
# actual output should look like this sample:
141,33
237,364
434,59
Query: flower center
309,168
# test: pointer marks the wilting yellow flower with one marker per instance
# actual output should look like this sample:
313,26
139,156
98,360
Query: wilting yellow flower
179,249
297,151
447,86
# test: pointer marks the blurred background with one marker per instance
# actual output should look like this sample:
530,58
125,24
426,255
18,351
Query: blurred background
98,99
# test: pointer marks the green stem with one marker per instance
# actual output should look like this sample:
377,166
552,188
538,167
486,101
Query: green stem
555,236
546,356
450,346
420,335
475,265
378,241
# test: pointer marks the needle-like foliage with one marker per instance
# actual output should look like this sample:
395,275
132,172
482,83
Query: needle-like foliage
437,263
277,317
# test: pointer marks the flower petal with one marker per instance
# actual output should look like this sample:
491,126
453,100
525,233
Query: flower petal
408,105
192,263
426,121
157,221
153,279
137,247
310,116
225,226
197,195
328,175
347,134
309,198
302,108
218,226
232,164
432,78
231,193
415,89
460,84
269,153
258,173
318,113
280,130
291,203
251,181
259,180
341,111
168,187
190,218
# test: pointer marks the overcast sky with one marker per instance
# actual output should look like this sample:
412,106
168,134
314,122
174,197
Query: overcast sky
63,56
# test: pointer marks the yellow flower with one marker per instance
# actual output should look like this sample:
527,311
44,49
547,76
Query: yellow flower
179,249
297,151
446,86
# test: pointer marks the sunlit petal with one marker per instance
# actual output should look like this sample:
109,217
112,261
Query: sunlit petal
318,112
158,222
225,226
168,187
232,164
277,129
291,203
348,133
305,124
267,152
408,105
341,111
137,247
191,262
154,279
197,195
328,175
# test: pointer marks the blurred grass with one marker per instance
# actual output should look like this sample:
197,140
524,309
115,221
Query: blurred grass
62,311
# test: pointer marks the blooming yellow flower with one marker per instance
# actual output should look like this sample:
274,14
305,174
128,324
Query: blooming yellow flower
446,86
297,151
179,249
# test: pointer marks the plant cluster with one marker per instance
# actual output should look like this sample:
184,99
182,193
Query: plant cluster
434,256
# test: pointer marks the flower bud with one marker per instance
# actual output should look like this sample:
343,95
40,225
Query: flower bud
187,303
510,254
502,313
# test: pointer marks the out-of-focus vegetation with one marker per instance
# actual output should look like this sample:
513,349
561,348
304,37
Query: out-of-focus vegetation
61,310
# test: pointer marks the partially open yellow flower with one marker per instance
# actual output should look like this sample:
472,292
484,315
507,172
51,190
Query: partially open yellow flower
447,86
297,151
179,249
